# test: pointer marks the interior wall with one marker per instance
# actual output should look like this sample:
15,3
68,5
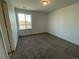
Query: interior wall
3,27
13,23
2,49
64,23
38,22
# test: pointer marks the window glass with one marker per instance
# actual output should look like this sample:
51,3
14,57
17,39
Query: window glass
28,21
24,21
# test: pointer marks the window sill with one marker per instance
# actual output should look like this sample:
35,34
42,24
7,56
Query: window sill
25,29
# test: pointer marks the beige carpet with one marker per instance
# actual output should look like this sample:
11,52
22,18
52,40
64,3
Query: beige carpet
45,46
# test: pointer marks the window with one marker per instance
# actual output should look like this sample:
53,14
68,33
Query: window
24,21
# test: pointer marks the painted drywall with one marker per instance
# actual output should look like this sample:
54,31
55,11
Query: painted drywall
38,22
64,23
38,6
2,49
3,27
13,23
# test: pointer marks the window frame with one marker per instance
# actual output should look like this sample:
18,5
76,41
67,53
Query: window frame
25,20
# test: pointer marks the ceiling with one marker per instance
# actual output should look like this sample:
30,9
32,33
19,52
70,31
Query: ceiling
36,5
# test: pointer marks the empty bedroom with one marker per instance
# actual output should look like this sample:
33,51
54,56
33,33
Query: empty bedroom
41,29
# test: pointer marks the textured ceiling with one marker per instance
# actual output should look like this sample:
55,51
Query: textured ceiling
37,6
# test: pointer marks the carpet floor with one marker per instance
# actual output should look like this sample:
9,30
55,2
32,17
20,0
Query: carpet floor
45,46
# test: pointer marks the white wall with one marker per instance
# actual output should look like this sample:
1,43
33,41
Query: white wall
2,24
38,23
64,23
2,49
3,46
13,24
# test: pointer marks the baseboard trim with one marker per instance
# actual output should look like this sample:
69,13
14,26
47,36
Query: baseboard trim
32,34
64,39
11,52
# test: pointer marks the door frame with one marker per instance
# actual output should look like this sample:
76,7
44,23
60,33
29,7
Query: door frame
2,31
7,56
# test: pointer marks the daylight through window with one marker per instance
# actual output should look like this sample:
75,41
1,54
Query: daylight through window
24,21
